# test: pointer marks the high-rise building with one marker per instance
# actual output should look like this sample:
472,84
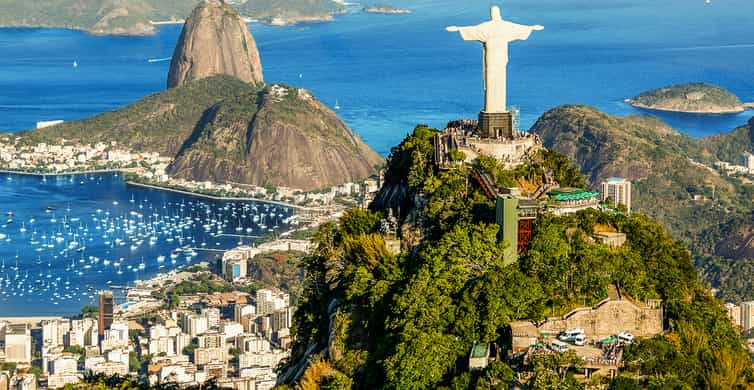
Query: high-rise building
211,340
734,313
213,317
241,311
747,316
748,161
54,331
234,265
18,343
264,301
618,190
193,324
106,303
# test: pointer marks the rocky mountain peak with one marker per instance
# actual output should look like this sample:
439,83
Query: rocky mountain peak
215,41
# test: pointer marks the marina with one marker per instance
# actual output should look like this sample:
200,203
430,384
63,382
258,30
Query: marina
62,238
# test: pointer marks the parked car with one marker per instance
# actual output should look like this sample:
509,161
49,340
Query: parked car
570,334
558,346
579,340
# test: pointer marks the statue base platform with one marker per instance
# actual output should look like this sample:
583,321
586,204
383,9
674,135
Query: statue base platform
496,125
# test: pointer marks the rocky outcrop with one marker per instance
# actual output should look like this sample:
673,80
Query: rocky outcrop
280,136
215,41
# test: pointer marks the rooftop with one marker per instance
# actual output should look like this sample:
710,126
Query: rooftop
566,194
479,351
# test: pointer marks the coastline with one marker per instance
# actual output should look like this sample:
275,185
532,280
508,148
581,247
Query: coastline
164,22
155,23
160,188
72,173
220,198
744,107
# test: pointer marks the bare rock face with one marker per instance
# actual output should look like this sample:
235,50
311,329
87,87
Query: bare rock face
280,136
215,41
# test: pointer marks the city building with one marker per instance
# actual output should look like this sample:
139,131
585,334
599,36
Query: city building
54,331
213,317
734,313
110,368
203,356
269,301
193,325
106,305
564,201
241,311
231,329
618,191
611,239
211,340
234,264
18,343
23,381
83,332
747,316
748,162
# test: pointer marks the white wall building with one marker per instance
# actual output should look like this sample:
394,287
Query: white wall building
618,190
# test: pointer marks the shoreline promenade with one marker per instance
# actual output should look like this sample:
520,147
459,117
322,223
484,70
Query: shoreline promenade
162,188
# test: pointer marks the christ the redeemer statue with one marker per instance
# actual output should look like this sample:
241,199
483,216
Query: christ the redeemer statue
495,36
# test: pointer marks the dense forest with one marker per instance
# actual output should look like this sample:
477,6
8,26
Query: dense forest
368,318
674,181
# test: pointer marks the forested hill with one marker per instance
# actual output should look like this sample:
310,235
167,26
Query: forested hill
674,180
225,130
371,319
134,17
696,98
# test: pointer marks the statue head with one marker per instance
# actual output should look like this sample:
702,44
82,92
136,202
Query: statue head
495,13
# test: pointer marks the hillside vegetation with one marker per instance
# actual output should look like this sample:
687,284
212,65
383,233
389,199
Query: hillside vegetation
692,98
668,171
370,319
224,130
158,123
133,17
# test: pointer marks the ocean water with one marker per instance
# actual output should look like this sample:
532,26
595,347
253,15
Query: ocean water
62,238
390,72
387,72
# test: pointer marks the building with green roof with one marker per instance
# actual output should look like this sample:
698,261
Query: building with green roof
565,201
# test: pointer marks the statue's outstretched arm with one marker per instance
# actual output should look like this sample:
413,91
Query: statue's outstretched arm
469,33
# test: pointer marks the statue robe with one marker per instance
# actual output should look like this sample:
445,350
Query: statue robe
495,36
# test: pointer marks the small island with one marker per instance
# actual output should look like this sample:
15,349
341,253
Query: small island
696,98
385,9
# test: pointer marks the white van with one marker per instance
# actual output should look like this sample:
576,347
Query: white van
579,340
570,334
558,346
626,338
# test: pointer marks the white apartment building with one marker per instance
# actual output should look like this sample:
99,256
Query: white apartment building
618,190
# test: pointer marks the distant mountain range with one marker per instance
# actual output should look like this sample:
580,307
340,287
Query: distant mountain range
674,179
136,17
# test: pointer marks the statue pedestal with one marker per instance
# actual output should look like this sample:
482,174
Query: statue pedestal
496,125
